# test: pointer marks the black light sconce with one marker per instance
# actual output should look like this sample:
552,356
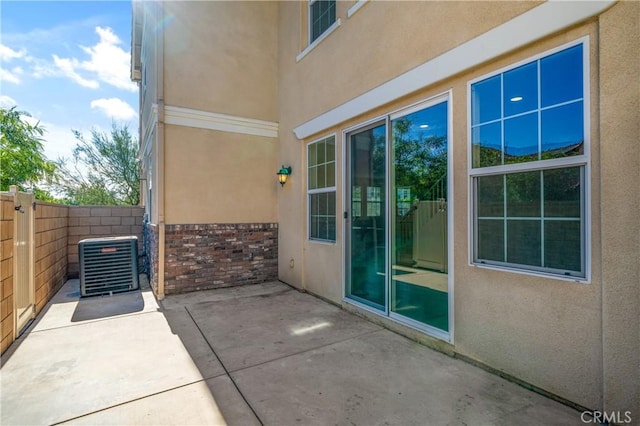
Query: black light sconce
282,174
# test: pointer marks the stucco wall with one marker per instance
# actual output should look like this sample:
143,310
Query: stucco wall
6,272
619,121
219,177
228,69
547,332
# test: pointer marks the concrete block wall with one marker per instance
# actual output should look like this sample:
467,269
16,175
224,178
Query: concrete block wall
51,241
199,257
101,221
6,271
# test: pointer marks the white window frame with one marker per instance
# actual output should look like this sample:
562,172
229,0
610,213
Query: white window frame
324,190
312,44
583,161
310,22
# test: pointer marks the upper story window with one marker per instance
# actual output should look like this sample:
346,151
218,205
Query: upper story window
321,189
529,165
322,14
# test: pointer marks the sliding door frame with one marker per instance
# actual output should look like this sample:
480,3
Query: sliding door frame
346,203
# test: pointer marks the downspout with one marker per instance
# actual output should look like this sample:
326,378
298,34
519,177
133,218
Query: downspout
160,152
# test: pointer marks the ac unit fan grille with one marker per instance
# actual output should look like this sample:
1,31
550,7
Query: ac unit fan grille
108,265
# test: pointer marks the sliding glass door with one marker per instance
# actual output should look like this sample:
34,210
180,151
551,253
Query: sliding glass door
397,222
419,280
367,232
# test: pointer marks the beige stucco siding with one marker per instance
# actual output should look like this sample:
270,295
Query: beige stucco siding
219,177
382,40
228,69
545,331
619,120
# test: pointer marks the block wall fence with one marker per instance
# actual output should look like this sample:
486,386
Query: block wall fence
57,231
6,271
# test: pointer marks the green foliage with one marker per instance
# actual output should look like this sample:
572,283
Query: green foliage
105,170
419,163
22,159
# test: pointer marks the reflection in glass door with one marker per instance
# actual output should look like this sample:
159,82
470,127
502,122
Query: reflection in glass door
367,224
397,250
419,284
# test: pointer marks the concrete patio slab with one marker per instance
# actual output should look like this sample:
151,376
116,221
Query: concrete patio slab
252,330
214,402
261,354
383,378
65,367
67,308
299,360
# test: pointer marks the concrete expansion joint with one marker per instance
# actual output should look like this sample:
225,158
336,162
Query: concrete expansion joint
224,367
130,401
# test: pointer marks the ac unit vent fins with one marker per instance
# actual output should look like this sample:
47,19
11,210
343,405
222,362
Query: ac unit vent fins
108,265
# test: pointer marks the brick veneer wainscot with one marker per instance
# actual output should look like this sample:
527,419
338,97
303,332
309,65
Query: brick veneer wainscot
199,257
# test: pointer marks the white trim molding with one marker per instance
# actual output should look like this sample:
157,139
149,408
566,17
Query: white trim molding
181,116
356,7
541,21
317,41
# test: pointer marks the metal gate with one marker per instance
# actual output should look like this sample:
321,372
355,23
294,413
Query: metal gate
23,259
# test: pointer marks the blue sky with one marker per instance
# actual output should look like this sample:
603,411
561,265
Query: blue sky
68,65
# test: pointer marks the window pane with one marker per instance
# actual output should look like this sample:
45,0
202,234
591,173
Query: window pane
561,76
321,176
331,174
562,243
523,242
313,158
331,203
331,228
487,145
322,227
323,15
563,131
523,194
331,149
485,100
521,89
491,240
521,139
322,204
313,231
321,152
491,196
562,192
313,180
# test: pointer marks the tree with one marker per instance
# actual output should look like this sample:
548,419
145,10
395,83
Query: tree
22,159
105,170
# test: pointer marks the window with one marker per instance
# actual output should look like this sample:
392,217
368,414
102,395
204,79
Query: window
322,14
529,165
321,188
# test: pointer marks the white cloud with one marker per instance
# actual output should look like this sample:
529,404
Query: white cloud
68,66
108,63
114,108
12,76
7,101
7,53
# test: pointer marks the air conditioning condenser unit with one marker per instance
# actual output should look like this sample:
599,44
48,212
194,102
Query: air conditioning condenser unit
108,265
